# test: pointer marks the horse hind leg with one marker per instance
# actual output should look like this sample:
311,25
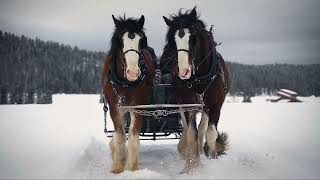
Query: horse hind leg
219,148
134,142
210,145
216,143
118,150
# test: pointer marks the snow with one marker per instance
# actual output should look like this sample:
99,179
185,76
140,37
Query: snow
66,140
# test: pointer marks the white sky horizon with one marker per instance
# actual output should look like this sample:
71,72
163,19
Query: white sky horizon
251,31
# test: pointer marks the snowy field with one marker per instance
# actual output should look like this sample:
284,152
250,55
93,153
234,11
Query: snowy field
66,140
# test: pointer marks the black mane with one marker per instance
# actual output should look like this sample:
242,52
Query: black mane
126,25
189,19
183,20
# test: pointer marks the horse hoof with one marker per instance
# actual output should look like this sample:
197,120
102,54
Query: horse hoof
133,168
117,168
210,154
189,170
116,171
191,167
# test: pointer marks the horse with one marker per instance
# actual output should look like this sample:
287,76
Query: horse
126,78
200,75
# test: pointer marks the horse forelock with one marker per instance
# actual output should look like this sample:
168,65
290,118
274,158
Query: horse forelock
127,25
182,20
204,40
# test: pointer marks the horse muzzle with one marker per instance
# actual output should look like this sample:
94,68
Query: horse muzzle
133,75
185,73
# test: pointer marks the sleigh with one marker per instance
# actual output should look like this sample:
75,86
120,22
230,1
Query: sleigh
161,118
286,94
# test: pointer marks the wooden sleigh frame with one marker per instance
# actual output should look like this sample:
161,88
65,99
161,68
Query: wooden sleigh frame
286,94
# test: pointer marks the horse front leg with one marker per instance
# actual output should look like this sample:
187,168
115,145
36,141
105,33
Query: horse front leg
118,142
188,145
134,142
183,138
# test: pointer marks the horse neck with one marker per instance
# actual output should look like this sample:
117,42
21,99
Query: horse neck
119,66
203,51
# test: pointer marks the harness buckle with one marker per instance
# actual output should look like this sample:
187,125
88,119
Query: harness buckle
189,85
193,67
105,108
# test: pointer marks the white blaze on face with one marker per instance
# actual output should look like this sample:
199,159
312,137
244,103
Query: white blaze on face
183,56
131,57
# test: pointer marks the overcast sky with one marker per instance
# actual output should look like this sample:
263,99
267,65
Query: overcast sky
251,31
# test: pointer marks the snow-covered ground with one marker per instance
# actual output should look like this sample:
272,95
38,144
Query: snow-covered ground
66,140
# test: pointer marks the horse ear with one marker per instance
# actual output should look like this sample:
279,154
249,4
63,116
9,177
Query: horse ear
168,21
193,13
141,21
116,21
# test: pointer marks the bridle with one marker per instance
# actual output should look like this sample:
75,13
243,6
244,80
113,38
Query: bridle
124,64
125,83
133,51
185,50
192,60
214,67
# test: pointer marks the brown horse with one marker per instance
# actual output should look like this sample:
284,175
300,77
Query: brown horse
126,79
200,75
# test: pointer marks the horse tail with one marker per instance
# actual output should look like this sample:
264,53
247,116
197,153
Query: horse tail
222,143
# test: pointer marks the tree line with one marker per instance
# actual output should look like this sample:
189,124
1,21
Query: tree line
266,79
31,70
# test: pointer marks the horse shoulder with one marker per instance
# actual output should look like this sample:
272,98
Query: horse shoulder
149,61
105,72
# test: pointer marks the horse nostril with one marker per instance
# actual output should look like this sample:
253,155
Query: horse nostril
186,72
133,73
131,35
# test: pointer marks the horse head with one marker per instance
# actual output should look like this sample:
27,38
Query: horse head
189,39
126,44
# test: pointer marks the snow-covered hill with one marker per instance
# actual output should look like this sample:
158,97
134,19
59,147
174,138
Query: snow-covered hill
66,140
